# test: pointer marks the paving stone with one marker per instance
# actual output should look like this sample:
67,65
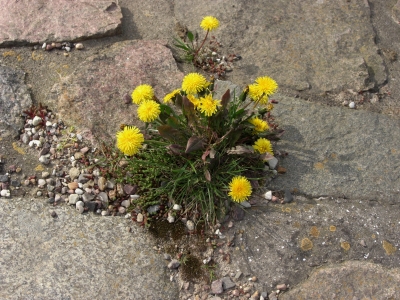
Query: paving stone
28,22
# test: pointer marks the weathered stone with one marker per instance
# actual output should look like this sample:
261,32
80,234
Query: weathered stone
304,48
337,280
105,77
216,287
50,23
14,99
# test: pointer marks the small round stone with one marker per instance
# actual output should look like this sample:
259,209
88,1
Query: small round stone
139,218
190,225
352,105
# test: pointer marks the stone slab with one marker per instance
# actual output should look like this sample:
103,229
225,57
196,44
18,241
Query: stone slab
25,22
338,151
350,280
76,256
93,97
284,243
318,45
14,98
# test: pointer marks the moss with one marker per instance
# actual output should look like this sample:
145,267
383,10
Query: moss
164,230
191,268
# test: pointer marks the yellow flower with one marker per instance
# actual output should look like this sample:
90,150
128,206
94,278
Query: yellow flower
142,93
209,23
129,140
208,106
263,145
240,188
148,111
194,83
266,85
256,94
194,100
168,97
259,125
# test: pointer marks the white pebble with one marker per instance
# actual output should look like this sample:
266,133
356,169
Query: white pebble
78,191
125,203
79,46
352,105
190,225
171,219
139,218
36,143
48,123
135,197
128,216
42,182
104,213
79,203
268,195
36,120
5,193
177,207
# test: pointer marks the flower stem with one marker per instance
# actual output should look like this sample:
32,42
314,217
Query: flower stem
197,51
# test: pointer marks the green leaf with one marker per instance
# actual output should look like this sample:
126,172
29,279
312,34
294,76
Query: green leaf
194,143
190,36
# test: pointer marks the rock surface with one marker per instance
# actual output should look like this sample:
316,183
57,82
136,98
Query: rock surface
337,282
28,22
350,153
97,255
14,98
92,97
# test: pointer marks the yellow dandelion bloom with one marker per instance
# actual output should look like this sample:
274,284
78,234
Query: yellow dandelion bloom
257,95
239,189
208,105
194,100
259,125
263,145
142,93
129,140
148,111
266,85
194,83
168,97
209,23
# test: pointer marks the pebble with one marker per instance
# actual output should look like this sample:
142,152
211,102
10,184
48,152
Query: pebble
255,296
41,182
190,225
103,197
79,46
54,214
245,204
39,193
36,121
139,218
288,197
121,210
272,163
177,207
125,203
36,143
5,193
73,198
174,264
153,209
86,197
44,159
72,185
170,218
227,283
45,174
101,182
104,213
73,173
268,195
216,287
79,191
129,189
352,105
281,287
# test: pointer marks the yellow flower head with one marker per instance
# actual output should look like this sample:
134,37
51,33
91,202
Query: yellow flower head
266,85
194,100
239,189
263,145
257,95
148,111
194,83
129,140
259,125
208,106
168,97
142,93
209,23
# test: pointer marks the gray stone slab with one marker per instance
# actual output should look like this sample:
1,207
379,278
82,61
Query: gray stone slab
93,97
76,256
14,98
285,243
28,22
319,45
350,280
338,151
